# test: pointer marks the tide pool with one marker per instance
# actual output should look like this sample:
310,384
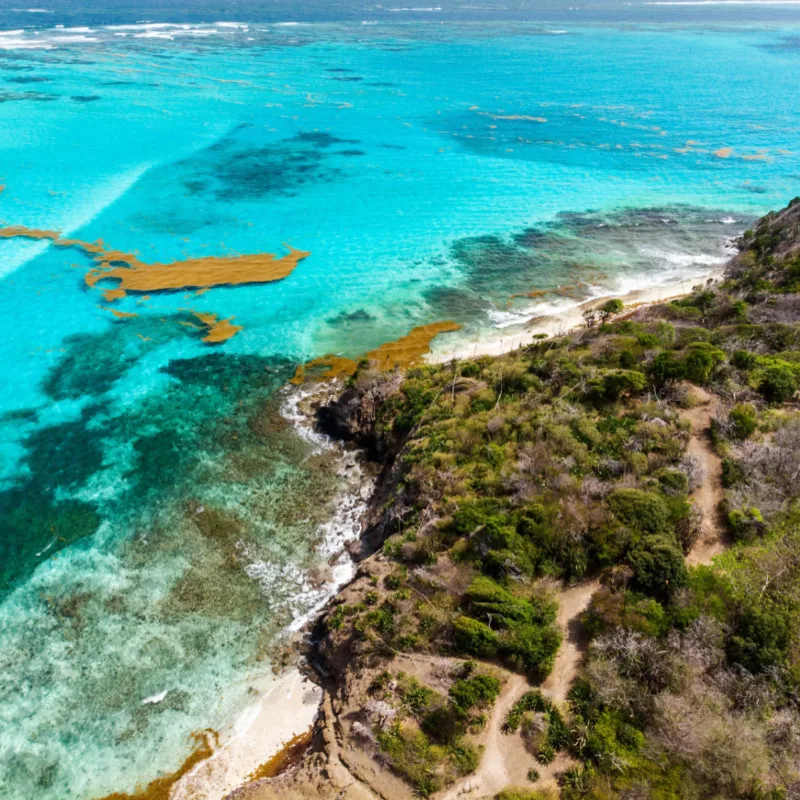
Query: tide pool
160,522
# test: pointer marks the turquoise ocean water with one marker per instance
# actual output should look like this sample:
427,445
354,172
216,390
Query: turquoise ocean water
159,522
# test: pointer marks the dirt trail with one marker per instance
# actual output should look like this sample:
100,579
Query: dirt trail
709,495
505,761
572,603
497,764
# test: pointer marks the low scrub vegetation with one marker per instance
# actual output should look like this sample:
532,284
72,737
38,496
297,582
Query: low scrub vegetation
508,477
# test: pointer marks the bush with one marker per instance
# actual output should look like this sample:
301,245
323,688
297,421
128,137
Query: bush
761,637
778,382
465,758
517,793
658,565
479,690
746,524
640,510
701,360
612,385
666,368
743,359
475,638
411,754
673,481
546,755
532,648
743,418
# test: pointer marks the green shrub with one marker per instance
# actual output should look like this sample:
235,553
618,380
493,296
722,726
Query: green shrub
666,367
743,418
778,382
658,565
411,754
465,758
475,638
621,381
643,511
485,598
732,473
701,359
743,359
517,793
532,648
746,524
546,755
761,636
478,690
673,481
530,701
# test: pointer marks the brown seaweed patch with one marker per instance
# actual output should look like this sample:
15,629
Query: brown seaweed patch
119,314
323,368
218,330
134,275
113,294
14,231
723,152
404,352
161,788
289,755
193,273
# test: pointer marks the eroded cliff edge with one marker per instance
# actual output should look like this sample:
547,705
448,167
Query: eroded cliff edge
579,570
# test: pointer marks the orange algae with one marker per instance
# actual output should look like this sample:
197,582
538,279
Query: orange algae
193,273
120,314
289,755
21,231
134,275
219,330
403,352
161,788
325,367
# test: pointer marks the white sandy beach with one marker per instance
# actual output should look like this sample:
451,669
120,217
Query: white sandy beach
504,340
286,708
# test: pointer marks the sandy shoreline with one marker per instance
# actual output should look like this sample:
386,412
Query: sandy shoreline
504,340
287,707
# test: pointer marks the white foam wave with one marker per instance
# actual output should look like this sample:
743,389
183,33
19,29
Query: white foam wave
73,39
305,599
681,260
24,44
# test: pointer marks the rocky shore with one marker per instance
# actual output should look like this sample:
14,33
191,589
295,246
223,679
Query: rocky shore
530,512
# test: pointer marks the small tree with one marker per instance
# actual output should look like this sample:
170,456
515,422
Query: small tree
610,309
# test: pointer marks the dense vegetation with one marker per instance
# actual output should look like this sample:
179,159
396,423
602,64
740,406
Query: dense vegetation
509,475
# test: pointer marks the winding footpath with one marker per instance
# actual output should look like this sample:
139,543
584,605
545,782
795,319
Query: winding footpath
505,760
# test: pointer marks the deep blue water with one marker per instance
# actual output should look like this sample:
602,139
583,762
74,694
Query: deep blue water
159,524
